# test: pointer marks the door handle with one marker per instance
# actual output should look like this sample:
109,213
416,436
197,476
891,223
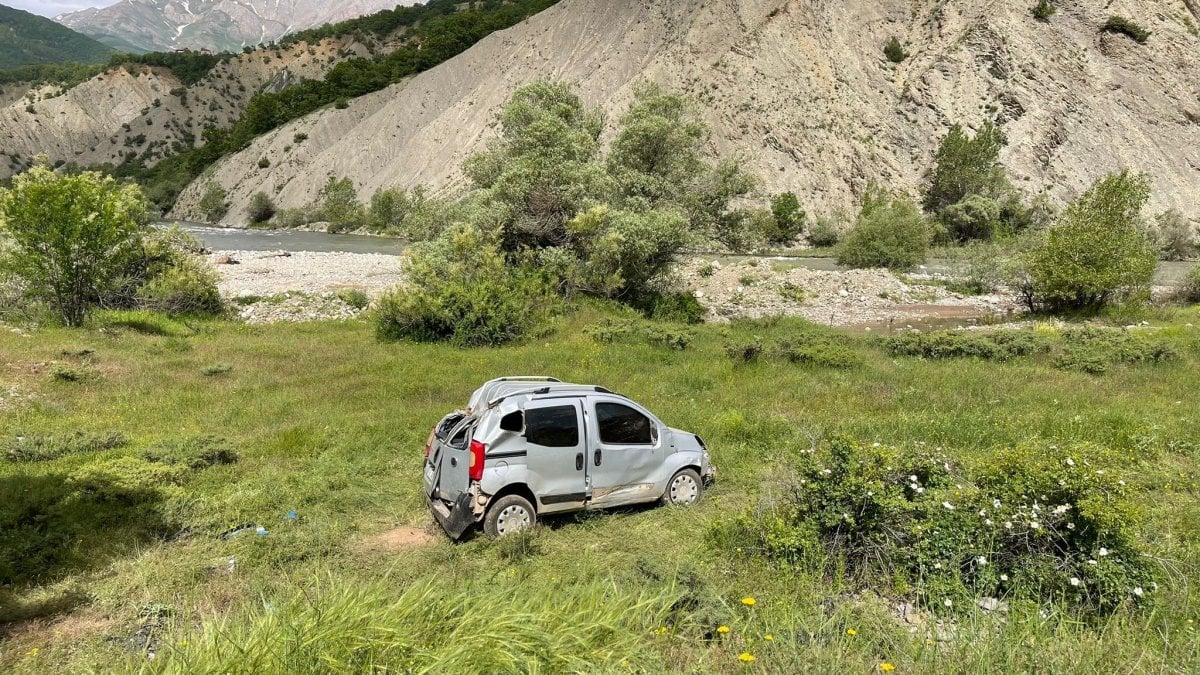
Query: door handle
598,457
579,461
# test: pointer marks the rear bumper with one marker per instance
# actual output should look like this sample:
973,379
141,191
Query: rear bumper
456,519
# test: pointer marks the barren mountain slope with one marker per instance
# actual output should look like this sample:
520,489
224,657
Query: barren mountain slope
800,89
145,111
156,25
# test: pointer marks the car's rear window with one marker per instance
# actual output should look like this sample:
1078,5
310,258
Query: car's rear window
622,425
554,427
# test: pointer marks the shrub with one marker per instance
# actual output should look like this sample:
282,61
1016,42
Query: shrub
1097,250
141,321
826,232
787,219
894,51
819,354
993,346
459,288
975,217
213,204
71,262
1189,288
633,330
891,232
339,206
264,163
356,298
193,453
977,268
672,306
965,166
262,209
126,480
1128,27
744,351
299,138
216,369
1049,526
1044,10
1094,350
187,288
1176,237
45,447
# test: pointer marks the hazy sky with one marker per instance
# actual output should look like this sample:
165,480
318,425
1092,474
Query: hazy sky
55,7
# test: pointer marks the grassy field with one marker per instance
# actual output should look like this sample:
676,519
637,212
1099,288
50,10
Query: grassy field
109,550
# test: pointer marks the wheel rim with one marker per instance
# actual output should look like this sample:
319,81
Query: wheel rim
684,490
511,519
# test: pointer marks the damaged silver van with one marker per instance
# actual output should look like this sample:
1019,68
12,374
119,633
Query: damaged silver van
530,446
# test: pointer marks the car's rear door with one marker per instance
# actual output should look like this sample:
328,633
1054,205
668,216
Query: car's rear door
450,461
627,453
555,442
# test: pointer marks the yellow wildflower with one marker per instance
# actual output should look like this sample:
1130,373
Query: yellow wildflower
851,632
661,630
749,602
886,667
723,630
746,657
768,637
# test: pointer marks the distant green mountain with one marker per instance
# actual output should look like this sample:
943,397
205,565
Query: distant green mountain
27,39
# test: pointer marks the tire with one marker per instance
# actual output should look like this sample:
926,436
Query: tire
684,489
509,514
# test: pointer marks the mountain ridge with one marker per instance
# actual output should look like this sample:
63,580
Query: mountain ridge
28,39
217,25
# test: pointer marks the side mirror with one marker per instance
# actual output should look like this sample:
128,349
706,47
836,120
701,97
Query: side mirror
514,422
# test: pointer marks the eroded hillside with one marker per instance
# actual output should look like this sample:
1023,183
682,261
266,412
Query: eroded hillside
800,89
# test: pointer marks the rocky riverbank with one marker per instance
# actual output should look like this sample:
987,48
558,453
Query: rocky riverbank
277,286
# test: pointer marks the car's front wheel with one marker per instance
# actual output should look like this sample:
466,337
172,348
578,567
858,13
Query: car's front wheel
684,489
510,513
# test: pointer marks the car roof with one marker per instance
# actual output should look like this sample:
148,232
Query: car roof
495,391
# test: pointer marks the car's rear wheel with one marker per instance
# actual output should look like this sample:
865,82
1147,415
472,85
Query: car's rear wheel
684,489
510,513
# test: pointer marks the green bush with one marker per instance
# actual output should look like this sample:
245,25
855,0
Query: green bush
818,354
826,232
998,345
671,306
967,165
1050,526
459,288
213,204
196,453
45,447
70,238
1189,288
1097,251
891,232
744,351
786,223
264,163
354,297
1095,349
126,480
974,218
262,209
1044,10
894,51
977,268
339,206
635,330
1176,237
1128,27
189,287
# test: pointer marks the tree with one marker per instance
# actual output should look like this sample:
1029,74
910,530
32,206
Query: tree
73,237
894,51
891,232
787,219
975,217
1177,238
339,205
213,204
1098,249
262,209
967,165
1043,10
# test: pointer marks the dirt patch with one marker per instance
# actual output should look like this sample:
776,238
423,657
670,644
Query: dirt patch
399,539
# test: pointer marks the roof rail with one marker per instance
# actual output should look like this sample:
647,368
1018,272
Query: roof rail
527,378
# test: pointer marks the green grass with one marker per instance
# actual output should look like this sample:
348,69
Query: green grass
328,422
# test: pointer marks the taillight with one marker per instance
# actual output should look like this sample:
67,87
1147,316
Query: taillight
429,441
475,469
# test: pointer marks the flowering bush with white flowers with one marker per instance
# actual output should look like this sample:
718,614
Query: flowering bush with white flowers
1035,523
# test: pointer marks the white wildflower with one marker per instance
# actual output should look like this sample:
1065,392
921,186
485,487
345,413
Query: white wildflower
950,603
988,522
913,478
981,560
1070,526
1138,591
1092,561
1035,525
1070,462
1008,525
995,503
1103,552
948,506
1074,581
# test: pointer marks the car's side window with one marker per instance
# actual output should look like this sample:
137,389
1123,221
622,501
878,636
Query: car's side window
555,427
622,425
